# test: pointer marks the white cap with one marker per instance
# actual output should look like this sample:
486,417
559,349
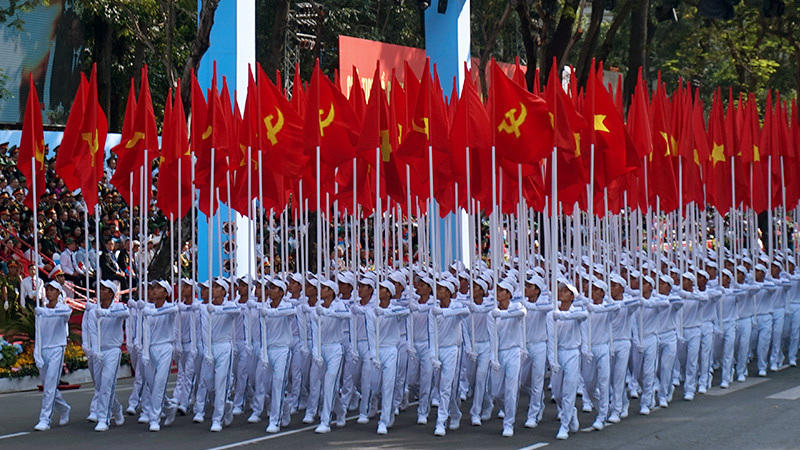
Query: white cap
398,277
297,277
447,285
649,280
727,273
537,281
710,263
222,282
703,274
761,268
569,286
346,278
166,285
665,279
482,283
278,283
690,276
617,278
507,284
111,285
388,285
55,284
741,268
331,284
600,284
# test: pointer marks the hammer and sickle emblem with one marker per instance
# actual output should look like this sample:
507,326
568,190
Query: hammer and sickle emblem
273,128
137,136
421,129
512,122
324,123
207,133
93,144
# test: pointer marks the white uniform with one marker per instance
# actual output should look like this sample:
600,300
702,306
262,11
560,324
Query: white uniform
106,342
595,339
620,353
763,309
298,374
745,310
364,376
276,338
536,346
89,328
242,356
327,337
667,347
564,356
708,317
49,357
794,319
133,340
693,302
384,335
645,330
508,330
447,328
420,373
482,403
218,358
188,337
779,302
158,342
727,318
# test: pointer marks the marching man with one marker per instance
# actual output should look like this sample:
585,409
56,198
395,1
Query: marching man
106,344
51,339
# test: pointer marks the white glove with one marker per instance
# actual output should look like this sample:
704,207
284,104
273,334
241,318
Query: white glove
413,306
319,361
251,304
131,303
555,368
146,361
412,354
101,312
376,364
209,360
210,308
5,305
264,363
471,307
436,364
379,311
525,355
473,356
495,313
640,348
39,363
588,356
437,310
320,309
140,304
495,366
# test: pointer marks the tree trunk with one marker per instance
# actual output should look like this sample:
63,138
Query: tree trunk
590,43
637,55
529,40
561,36
198,49
619,19
489,46
277,38
102,53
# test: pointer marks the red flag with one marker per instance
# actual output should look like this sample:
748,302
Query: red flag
31,146
522,132
718,185
280,130
176,168
357,94
330,122
65,164
143,135
89,152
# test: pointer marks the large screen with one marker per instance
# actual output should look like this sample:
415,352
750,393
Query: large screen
48,43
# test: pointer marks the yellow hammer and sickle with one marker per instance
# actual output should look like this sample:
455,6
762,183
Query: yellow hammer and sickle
512,122
40,153
273,128
207,133
666,139
93,144
325,123
137,136
386,146
421,129
399,133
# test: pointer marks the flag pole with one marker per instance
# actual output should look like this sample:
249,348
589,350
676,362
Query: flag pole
35,253
432,236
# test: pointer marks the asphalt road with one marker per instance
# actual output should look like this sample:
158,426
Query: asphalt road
759,413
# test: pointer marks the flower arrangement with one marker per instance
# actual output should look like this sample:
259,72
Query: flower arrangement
9,353
24,365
